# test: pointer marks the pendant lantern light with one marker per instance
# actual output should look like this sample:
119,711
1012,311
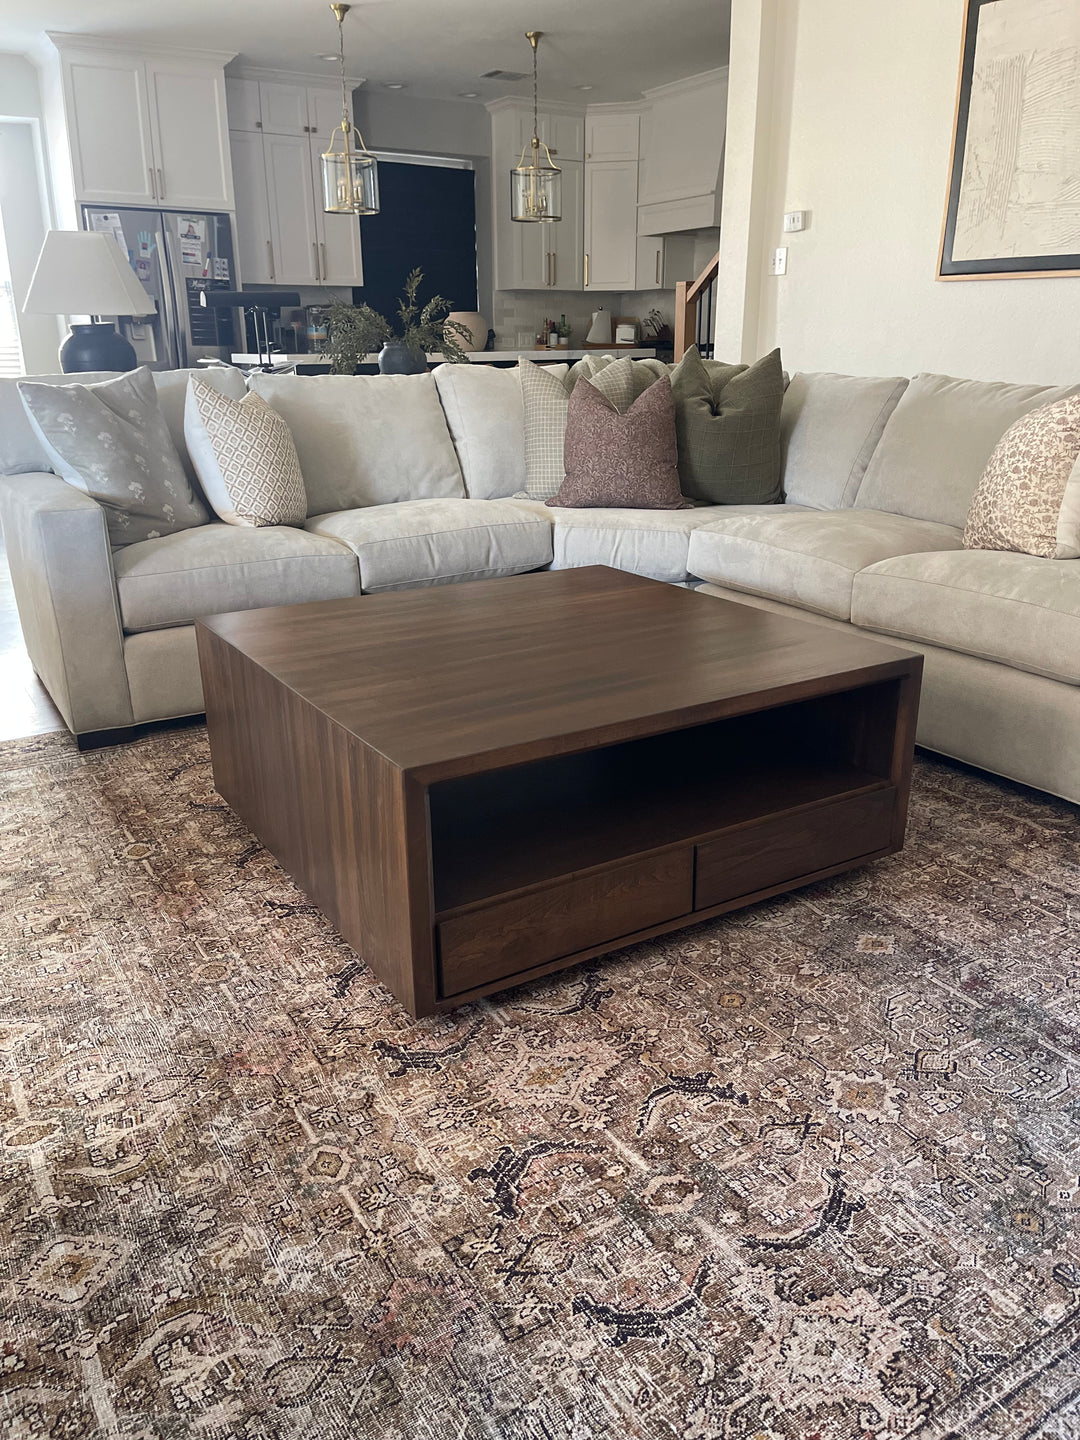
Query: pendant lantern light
350,172
535,184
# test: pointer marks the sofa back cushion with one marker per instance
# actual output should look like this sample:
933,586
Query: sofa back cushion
172,385
830,426
21,450
938,441
366,439
483,410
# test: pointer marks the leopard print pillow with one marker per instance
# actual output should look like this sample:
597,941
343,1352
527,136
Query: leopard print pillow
1028,499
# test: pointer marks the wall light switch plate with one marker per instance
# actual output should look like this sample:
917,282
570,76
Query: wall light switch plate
794,220
778,264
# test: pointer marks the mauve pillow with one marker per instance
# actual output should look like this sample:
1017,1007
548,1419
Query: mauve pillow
628,461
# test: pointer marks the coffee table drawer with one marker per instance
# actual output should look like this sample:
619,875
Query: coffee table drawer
779,850
510,936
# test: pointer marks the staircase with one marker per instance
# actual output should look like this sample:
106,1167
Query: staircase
695,311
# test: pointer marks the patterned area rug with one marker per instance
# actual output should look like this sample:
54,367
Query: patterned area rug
808,1171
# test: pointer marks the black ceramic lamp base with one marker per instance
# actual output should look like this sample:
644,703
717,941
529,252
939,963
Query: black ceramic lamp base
96,346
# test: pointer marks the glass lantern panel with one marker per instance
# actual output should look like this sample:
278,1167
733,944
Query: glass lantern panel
535,194
350,183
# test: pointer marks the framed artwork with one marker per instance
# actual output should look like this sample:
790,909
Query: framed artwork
1013,207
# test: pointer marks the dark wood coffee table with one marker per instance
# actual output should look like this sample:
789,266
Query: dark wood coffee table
482,783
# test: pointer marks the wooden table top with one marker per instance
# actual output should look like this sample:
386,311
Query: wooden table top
454,679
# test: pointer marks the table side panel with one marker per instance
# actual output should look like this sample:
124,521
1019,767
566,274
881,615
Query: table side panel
336,815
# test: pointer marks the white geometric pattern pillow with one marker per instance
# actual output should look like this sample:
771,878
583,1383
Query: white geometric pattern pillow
545,395
244,457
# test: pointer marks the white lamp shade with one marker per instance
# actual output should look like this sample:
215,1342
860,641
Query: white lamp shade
82,272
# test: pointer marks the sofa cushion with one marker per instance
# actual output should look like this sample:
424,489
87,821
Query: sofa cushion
435,542
483,410
807,557
728,425
172,387
653,543
218,568
614,459
829,428
937,443
366,439
1019,610
110,440
244,457
21,450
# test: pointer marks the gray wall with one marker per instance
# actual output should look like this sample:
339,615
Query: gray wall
391,120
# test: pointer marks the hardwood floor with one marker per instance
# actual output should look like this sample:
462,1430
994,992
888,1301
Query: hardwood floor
25,707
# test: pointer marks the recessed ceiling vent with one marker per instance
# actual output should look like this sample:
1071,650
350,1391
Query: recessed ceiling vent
503,75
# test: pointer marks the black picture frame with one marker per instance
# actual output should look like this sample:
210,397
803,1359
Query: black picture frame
1004,267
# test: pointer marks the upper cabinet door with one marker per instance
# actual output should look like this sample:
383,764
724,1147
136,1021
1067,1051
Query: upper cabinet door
323,112
108,116
242,97
254,253
611,136
340,257
565,237
191,130
564,135
294,234
284,108
610,224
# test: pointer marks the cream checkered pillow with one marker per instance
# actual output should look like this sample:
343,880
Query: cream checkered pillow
244,456
545,394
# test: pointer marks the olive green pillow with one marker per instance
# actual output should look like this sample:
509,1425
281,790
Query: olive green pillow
727,420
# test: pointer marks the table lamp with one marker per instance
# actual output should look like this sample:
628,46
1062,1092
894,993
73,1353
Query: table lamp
83,272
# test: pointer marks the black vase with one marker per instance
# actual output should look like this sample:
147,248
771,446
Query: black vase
96,347
395,358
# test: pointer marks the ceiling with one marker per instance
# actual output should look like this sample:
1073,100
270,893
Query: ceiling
435,48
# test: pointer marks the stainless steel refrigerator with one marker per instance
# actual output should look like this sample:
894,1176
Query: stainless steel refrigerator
176,255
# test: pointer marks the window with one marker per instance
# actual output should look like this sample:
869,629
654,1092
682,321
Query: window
11,356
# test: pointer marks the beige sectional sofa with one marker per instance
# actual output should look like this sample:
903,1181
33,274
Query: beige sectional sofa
415,481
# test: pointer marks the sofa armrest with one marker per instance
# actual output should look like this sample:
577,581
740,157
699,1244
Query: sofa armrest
62,574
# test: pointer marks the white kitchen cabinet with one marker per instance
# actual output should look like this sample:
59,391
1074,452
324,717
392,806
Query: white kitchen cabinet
242,99
662,260
254,240
108,121
543,257
340,256
565,238
191,130
294,234
682,144
283,108
610,224
611,134
323,112
146,127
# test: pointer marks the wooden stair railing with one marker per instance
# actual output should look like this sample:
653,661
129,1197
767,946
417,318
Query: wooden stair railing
694,310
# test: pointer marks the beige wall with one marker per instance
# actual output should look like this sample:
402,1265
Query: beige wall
858,132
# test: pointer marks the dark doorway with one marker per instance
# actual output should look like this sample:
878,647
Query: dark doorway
427,218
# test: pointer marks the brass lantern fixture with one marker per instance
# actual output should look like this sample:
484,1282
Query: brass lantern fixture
350,172
536,183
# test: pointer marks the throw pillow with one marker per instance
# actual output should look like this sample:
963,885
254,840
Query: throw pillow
111,441
244,457
728,422
1028,499
627,460
545,394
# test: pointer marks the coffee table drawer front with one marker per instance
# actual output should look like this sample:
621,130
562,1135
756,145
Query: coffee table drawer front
510,936
779,850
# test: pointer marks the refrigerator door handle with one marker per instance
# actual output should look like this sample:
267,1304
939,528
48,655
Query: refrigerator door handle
176,294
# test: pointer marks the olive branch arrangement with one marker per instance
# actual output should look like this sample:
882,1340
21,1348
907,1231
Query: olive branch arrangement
355,331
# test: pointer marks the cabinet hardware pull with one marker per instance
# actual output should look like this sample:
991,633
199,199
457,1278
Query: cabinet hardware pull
315,256
547,267
270,256
161,183
586,269
658,267
322,248
153,187
258,124
555,268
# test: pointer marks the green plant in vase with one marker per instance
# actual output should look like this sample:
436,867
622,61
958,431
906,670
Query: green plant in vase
356,331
